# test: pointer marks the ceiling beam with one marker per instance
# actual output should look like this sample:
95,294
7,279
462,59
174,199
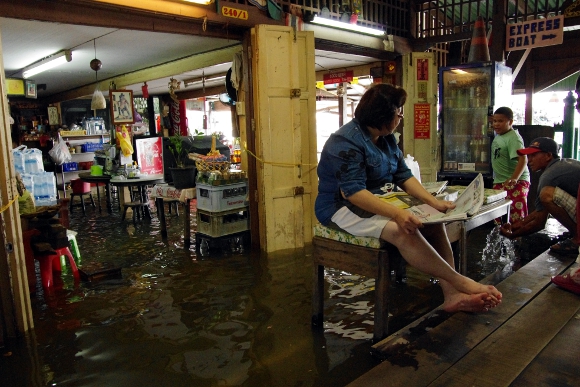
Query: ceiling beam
180,66
200,21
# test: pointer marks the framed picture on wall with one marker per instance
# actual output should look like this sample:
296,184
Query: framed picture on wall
30,89
121,102
52,115
14,86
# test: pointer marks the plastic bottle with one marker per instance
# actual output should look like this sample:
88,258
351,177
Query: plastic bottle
237,151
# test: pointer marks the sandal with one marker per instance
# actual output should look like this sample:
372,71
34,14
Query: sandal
567,282
567,246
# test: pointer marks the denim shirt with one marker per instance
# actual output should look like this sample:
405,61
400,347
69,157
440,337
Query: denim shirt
351,162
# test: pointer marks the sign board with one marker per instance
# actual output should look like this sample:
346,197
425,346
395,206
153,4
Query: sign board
422,69
149,155
14,86
234,13
422,120
338,77
534,33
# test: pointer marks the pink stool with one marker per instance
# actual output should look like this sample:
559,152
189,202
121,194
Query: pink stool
80,188
51,261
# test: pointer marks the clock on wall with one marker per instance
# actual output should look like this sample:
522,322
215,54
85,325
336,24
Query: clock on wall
52,115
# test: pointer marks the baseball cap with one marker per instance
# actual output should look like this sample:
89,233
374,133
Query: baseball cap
540,144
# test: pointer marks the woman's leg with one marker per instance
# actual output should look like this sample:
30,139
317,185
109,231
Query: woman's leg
460,292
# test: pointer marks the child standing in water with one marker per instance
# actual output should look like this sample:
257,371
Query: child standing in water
510,170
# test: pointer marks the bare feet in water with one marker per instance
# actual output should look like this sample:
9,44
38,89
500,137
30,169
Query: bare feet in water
461,302
483,298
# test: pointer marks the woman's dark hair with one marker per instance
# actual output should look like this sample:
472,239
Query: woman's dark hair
379,104
505,111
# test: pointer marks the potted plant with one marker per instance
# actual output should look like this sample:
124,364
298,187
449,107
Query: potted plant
183,175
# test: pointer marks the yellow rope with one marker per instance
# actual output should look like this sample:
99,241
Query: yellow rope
8,205
275,162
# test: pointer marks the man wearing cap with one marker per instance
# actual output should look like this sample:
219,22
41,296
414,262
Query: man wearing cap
557,191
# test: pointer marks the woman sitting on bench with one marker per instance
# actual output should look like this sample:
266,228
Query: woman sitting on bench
361,159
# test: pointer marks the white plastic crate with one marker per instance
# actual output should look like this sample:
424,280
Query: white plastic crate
217,224
222,197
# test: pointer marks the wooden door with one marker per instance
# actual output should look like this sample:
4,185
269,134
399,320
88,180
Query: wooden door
285,135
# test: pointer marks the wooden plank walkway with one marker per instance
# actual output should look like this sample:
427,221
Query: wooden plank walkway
531,339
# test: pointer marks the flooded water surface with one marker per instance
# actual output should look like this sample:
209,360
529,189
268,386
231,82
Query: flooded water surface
176,319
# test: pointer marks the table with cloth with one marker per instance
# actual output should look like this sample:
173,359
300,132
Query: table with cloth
165,191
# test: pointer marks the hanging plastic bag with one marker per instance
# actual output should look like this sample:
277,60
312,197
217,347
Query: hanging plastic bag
59,152
26,203
98,101
125,141
413,166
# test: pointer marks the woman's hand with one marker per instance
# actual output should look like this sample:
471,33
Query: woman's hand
443,205
407,221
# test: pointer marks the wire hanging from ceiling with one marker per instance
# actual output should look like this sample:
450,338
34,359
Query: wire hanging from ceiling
95,63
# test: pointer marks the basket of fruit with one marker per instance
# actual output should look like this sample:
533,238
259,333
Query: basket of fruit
213,161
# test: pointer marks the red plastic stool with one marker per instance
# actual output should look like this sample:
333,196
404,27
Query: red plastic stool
51,261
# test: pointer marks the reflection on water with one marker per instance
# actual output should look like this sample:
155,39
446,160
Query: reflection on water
175,319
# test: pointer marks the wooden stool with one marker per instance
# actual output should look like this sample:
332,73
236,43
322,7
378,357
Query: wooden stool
172,202
136,207
365,256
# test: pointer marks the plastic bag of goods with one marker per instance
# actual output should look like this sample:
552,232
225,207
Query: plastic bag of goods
98,101
413,166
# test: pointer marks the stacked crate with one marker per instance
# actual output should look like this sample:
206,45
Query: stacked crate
223,219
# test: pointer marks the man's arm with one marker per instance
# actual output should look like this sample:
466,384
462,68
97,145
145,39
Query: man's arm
532,223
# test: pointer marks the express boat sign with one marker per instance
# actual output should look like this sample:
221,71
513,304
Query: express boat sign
535,33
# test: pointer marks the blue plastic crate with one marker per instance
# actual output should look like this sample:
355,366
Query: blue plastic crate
72,166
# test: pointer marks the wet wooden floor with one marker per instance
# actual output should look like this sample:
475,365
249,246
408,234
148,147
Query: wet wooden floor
531,339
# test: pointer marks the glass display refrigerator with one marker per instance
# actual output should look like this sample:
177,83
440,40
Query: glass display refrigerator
468,96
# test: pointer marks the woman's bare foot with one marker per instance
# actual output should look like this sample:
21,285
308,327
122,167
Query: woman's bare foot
469,286
467,303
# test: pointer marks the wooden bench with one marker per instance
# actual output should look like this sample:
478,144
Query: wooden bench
526,341
376,259
365,256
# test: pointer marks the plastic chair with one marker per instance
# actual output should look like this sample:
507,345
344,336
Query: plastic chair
50,261
80,188
72,238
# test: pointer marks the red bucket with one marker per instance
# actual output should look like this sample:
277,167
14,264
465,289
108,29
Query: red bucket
79,186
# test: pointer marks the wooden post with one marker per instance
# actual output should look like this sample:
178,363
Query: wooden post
14,297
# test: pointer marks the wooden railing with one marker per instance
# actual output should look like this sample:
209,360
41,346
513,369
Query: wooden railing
391,16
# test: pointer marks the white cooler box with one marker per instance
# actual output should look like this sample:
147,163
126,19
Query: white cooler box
218,198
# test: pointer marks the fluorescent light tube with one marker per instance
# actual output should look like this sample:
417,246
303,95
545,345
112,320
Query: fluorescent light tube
47,63
202,2
346,26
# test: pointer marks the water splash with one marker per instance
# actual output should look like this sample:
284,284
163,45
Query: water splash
498,255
